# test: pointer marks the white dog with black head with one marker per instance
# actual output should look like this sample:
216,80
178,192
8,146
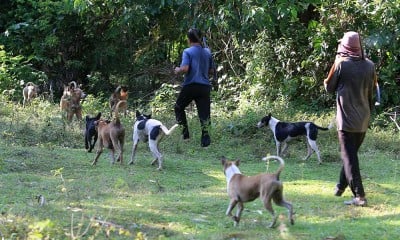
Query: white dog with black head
285,131
151,130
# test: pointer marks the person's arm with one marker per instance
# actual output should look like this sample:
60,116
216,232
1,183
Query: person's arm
330,83
330,75
182,69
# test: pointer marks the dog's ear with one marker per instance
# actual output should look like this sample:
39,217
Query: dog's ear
98,116
87,118
237,162
223,160
137,113
269,114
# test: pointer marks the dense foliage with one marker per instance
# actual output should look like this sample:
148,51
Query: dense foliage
264,49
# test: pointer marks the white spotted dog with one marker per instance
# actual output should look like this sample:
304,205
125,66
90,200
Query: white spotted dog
29,92
283,132
151,130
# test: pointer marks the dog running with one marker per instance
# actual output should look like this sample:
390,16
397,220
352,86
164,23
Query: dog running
29,92
147,129
112,136
284,131
91,132
243,189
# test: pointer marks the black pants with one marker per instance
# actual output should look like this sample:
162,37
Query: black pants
350,175
200,94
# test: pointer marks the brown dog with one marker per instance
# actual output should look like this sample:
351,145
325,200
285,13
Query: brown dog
65,99
71,101
243,189
29,92
112,136
120,93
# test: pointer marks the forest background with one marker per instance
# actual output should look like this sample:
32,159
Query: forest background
264,50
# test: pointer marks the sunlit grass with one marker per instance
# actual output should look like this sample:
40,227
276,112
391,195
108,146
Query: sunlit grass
188,199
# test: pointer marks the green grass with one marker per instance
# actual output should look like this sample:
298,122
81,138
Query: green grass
187,200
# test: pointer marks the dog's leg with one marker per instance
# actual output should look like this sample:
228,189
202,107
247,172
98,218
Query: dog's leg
70,115
87,142
309,151
290,210
153,144
231,205
266,198
134,147
312,146
92,144
116,150
239,211
121,153
280,201
112,157
79,114
278,148
284,149
289,206
98,153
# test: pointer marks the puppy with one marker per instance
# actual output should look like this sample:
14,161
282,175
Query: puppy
120,93
151,130
91,132
112,136
29,92
243,189
71,101
283,132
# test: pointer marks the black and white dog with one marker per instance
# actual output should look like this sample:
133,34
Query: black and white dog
283,132
147,129
91,132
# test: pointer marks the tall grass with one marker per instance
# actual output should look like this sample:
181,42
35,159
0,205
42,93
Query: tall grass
41,155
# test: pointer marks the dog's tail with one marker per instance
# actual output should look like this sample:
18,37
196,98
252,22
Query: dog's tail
117,109
168,131
74,84
323,128
281,162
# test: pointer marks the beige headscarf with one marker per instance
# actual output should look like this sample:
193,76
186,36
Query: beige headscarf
350,45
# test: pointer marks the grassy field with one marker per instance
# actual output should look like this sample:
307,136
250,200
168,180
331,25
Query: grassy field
40,155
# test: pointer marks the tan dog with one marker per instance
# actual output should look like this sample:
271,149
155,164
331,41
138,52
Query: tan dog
243,189
112,136
29,92
71,101
65,99
120,93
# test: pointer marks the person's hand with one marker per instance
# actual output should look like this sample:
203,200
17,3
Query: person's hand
177,70
214,84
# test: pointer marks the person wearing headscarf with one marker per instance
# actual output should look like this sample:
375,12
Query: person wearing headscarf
353,78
